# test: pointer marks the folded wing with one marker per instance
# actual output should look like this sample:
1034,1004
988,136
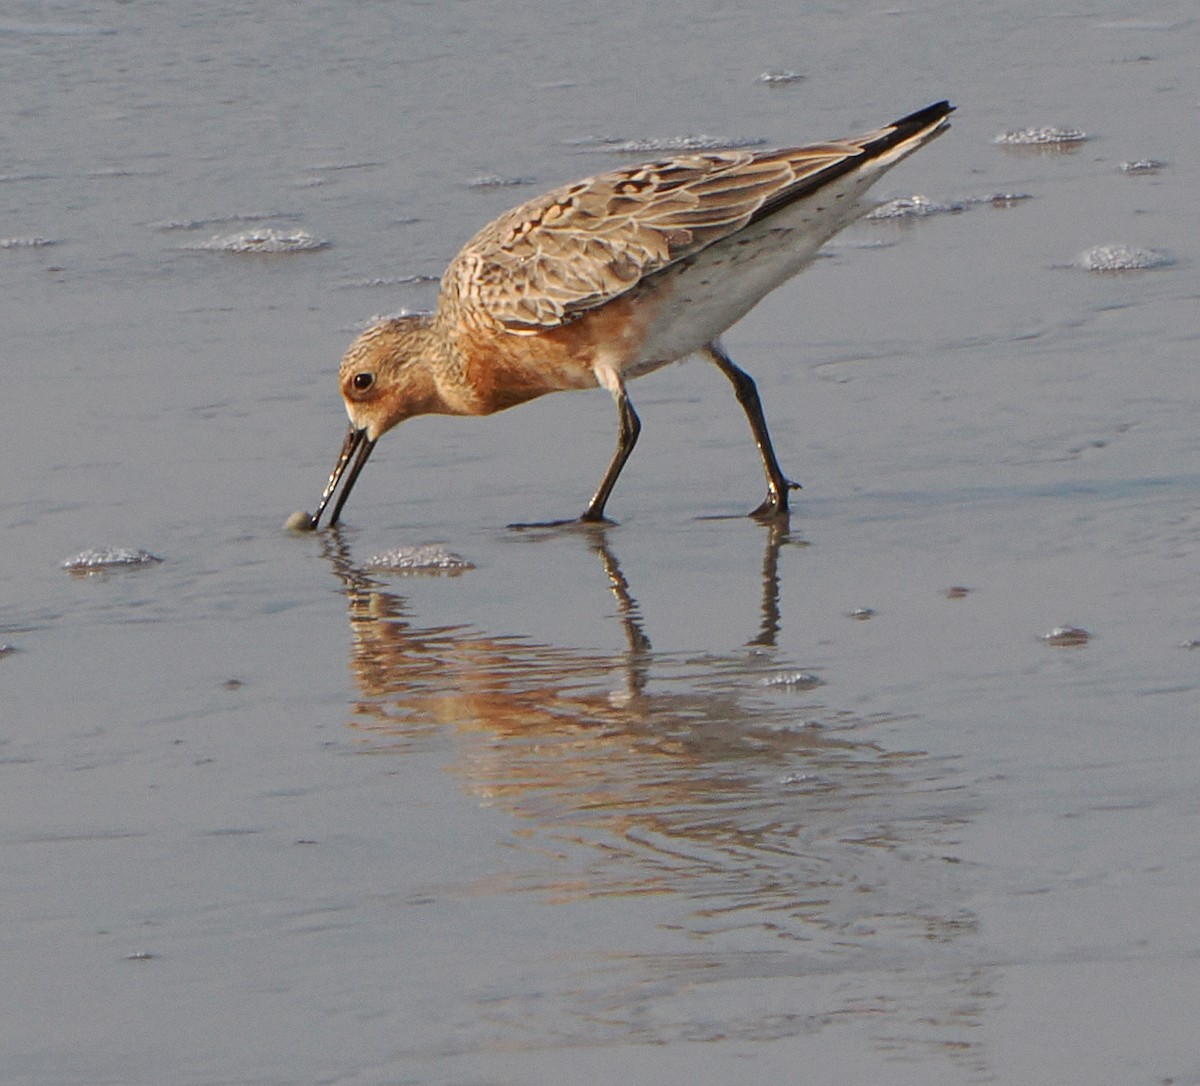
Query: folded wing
545,263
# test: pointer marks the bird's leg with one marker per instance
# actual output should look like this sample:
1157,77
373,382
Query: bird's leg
627,437
778,484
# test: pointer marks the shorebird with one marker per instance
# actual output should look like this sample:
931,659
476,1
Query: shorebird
610,278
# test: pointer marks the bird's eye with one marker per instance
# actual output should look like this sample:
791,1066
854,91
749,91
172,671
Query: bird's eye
363,381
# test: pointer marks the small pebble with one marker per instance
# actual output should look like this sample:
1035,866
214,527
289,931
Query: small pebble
1067,637
299,521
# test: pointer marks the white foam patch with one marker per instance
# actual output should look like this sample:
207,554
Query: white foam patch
26,243
264,240
1047,136
494,181
916,206
780,77
793,680
685,144
98,559
1122,258
427,558
1142,165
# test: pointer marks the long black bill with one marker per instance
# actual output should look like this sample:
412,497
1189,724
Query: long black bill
356,441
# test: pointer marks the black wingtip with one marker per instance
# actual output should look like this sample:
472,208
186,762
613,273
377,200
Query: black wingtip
923,118
930,121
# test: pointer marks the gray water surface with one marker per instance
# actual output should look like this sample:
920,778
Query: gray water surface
682,800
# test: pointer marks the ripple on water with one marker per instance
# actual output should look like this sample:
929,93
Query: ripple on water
375,281
102,559
427,558
1122,258
208,222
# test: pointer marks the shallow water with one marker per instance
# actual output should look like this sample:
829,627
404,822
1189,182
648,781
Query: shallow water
681,800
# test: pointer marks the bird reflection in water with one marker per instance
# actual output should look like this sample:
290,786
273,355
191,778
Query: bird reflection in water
696,769
741,805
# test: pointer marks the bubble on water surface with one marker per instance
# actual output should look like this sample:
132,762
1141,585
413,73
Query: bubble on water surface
1067,637
673,144
1142,165
428,558
1002,200
793,680
101,559
1122,258
780,77
27,243
376,282
494,181
265,240
1047,136
666,144
916,206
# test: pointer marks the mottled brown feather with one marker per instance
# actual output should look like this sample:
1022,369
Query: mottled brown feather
547,262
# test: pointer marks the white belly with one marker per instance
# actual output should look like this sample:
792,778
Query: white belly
703,296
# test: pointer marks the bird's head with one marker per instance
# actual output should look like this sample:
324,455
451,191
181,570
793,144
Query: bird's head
386,377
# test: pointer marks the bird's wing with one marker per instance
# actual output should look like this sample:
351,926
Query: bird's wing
552,259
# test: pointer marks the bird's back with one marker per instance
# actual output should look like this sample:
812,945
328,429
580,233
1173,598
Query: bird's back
709,233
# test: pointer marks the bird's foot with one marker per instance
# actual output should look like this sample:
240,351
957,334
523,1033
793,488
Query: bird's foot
776,502
583,522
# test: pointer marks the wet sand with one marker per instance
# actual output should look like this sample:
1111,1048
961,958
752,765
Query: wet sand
680,800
